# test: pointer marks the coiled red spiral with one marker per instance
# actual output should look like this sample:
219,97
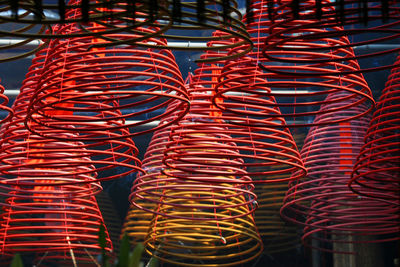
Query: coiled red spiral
377,170
300,37
322,202
104,90
3,106
256,87
211,146
49,185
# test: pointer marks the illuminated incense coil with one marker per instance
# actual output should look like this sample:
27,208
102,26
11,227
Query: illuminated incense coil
277,235
255,86
322,202
376,172
299,38
105,90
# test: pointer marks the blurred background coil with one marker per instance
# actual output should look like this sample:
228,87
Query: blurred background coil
290,97
4,107
277,235
105,90
299,36
334,218
377,170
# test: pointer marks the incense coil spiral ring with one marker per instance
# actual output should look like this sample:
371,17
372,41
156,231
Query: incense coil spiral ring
110,85
323,203
299,38
376,172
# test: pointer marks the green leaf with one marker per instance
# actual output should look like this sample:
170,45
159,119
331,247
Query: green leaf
17,261
153,262
136,255
124,250
102,236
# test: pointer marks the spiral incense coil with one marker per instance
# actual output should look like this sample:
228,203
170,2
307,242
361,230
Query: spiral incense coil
322,203
105,90
299,38
277,235
3,106
377,170
247,90
208,145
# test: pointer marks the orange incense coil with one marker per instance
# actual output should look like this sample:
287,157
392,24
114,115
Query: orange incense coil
322,203
3,107
377,170
113,89
277,235
256,87
188,242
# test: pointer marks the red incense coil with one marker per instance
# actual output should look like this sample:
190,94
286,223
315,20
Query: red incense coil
210,145
296,37
322,202
3,106
248,90
377,170
108,89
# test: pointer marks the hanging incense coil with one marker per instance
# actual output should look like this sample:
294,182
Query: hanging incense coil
112,87
209,144
323,204
299,38
377,170
246,89
277,235
3,106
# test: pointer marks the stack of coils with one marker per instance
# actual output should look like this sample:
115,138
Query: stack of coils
105,90
277,235
377,40
240,154
377,171
146,195
3,106
250,91
50,184
332,215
